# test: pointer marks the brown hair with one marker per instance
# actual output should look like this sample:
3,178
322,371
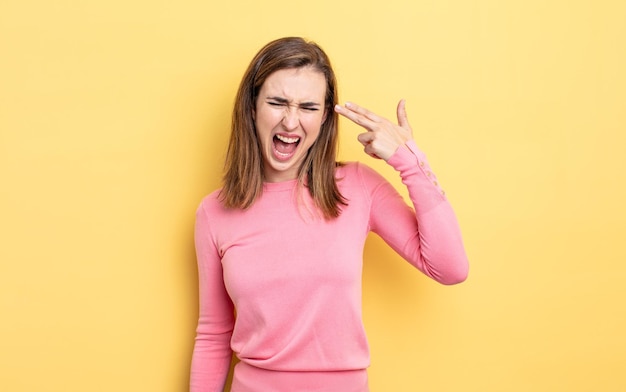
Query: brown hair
243,177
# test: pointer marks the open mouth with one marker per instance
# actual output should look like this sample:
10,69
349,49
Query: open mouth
285,147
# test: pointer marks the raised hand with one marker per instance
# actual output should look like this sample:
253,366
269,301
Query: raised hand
383,137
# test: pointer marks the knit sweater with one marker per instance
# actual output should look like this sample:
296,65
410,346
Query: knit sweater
293,278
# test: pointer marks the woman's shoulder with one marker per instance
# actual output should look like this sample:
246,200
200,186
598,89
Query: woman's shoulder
211,202
358,177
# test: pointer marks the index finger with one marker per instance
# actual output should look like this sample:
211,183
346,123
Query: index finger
358,115
362,111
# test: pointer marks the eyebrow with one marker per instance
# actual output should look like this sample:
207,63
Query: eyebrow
286,101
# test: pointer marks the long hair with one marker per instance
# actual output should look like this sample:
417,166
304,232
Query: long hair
243,169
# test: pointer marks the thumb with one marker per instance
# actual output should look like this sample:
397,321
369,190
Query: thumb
403,120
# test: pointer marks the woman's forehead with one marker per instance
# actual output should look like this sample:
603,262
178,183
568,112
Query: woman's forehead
295,84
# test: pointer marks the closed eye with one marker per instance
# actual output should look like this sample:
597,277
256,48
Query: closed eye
310,108
280,102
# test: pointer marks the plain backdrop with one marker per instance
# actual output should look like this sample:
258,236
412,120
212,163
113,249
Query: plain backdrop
114,119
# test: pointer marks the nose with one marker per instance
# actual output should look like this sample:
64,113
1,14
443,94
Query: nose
290,119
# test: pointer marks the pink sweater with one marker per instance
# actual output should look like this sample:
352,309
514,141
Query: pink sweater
295,279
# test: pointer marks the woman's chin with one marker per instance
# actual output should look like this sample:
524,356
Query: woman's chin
281,169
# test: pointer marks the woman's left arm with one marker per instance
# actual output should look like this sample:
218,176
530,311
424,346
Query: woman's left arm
428,237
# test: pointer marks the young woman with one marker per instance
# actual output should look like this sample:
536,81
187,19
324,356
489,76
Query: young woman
280,246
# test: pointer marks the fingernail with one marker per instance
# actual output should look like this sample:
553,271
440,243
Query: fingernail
348,104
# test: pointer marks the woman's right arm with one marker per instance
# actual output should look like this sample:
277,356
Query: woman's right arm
212,353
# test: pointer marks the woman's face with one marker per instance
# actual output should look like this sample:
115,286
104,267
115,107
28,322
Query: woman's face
288,117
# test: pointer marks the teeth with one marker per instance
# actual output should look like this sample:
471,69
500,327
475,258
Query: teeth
285,139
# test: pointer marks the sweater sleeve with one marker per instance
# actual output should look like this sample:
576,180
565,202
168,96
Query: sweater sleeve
212,354
429,236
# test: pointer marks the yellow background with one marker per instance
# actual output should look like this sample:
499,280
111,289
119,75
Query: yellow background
113,124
